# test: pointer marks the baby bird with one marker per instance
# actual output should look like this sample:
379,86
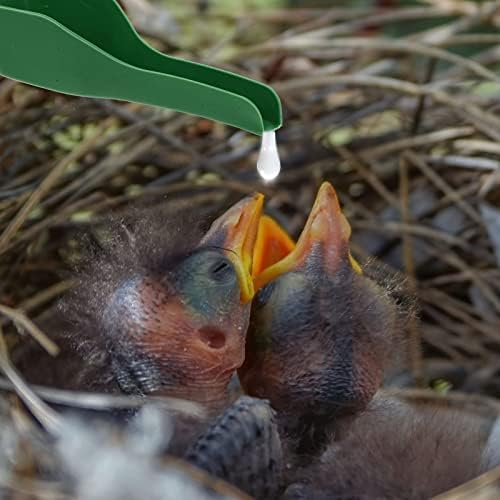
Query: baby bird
321,332
322,335
161,311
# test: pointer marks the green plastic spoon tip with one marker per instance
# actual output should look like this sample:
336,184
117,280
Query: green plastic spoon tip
89,48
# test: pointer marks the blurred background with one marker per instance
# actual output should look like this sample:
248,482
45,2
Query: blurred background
397,103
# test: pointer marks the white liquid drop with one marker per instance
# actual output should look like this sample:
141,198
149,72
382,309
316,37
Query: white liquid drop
268,163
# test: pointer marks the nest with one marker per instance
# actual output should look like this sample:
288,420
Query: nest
398,108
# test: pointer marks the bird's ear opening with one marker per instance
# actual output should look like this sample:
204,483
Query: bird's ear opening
326,235
235,232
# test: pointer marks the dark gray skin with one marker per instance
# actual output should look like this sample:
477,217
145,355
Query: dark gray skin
318,344
320,362
322,336
321,331
396,450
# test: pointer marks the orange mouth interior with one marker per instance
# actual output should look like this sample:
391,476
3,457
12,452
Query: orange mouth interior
272,245
276,253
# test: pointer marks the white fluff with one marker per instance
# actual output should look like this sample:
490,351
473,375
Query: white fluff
106,464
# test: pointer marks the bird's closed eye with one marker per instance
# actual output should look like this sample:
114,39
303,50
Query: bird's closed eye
221,271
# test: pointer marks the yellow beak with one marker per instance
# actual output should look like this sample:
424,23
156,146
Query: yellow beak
326,227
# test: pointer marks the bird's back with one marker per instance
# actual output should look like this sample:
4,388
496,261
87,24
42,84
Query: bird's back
397,450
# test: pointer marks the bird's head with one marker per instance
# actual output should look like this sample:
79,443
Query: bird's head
320,330
176,323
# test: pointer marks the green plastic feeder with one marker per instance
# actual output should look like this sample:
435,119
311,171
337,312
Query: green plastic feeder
89,48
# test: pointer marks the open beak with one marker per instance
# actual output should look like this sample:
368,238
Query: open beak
261,250
236,232
326,234
272,245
